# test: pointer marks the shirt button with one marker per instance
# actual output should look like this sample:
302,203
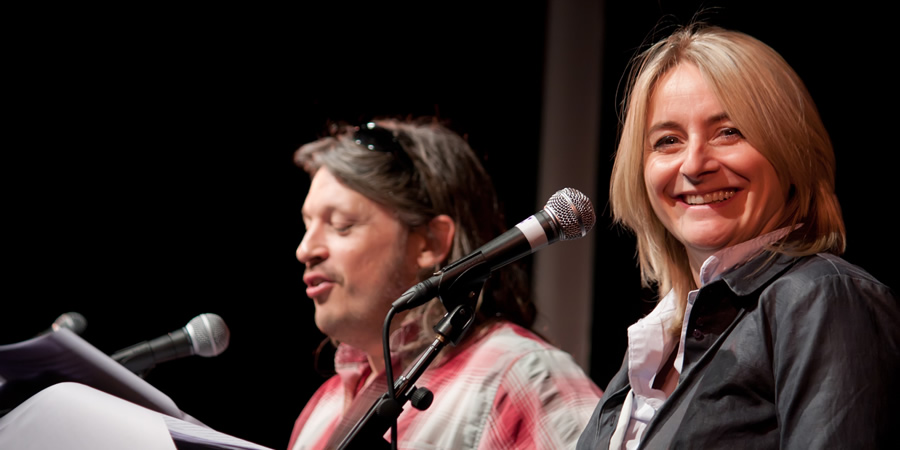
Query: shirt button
698,335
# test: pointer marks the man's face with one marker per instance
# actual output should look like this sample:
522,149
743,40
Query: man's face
359,258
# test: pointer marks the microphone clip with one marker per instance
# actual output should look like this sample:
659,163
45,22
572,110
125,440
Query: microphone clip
459,283
466,280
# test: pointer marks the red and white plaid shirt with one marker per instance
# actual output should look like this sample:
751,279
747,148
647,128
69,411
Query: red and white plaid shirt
507,389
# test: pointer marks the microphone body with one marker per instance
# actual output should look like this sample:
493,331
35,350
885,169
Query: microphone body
205,335
527,237
567,215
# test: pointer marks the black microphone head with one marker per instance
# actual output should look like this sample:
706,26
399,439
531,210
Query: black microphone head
209,334
573,212
70,320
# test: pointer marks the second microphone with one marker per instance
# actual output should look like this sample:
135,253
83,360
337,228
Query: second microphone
205,335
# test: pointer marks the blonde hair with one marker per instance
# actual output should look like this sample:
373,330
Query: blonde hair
769,103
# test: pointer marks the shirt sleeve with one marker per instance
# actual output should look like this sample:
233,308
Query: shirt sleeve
543,401
836,345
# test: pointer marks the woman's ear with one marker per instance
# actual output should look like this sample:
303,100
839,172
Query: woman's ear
438,241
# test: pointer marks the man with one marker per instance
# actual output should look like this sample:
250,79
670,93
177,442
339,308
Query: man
390,203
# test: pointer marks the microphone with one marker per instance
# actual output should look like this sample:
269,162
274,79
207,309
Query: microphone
70,320
205,335
567,215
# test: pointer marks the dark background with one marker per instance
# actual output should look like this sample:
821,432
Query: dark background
148,174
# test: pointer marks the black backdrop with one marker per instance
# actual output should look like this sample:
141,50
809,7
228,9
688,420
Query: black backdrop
149,179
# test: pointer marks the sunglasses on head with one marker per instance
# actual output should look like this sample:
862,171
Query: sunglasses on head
376,138
380,139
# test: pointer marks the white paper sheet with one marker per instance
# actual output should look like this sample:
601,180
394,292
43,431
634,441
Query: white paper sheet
96,402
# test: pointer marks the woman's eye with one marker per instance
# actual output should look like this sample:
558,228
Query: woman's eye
732,132
665,141
727,136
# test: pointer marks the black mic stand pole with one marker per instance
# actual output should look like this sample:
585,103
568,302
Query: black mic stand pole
368,433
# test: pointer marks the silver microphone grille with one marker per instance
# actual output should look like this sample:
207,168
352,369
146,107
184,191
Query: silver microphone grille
573,211
209,334
71,320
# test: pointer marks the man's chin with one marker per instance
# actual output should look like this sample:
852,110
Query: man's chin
324,324
333,327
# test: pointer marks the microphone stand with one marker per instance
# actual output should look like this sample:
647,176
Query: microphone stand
368,433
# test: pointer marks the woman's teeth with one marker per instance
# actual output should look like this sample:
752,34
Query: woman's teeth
713,197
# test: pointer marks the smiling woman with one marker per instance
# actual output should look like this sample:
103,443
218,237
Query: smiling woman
763,336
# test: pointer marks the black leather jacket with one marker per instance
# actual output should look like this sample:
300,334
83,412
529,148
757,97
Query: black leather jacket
791,353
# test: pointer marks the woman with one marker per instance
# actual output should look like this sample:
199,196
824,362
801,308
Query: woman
763,336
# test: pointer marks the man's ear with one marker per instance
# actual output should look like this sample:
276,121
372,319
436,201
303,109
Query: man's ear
438,241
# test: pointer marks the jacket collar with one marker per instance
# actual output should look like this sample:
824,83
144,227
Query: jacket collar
757,272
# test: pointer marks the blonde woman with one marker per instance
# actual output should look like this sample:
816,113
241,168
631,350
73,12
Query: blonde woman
763,337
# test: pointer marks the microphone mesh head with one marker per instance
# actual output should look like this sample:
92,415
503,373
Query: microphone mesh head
209,334
573,211
71,320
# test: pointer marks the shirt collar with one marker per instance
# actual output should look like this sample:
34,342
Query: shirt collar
649,343
352,363
732,257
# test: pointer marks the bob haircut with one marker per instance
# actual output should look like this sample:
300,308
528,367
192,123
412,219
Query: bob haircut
771,106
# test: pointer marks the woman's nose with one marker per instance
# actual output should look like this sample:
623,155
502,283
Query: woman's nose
699,160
